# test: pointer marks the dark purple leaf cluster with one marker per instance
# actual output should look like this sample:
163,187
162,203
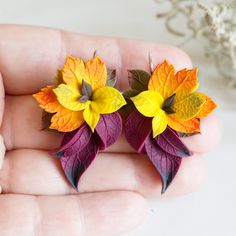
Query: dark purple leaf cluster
165,151
80,147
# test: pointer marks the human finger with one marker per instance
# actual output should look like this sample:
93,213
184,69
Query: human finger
37,173
107,213
31,55
23,122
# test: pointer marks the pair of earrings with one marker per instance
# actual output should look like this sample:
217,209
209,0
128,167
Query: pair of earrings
160,107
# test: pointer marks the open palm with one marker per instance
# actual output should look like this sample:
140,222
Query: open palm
37,199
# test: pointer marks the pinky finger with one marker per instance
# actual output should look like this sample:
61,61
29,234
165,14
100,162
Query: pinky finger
106,213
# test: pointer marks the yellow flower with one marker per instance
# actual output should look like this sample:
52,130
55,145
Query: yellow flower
171,99
82,95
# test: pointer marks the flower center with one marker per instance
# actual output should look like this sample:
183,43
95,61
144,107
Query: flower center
86,92
168,104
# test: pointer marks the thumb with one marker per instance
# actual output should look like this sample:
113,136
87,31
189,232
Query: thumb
2,98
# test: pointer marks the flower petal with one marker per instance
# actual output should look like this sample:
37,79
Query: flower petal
106,100
188,107
93,72
73,71
159,123
97,72
187,126
148,103
207,107
166,83
91,117
66,121
68,96
186,82
47,99
162,79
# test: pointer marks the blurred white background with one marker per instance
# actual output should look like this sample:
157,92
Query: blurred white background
210,211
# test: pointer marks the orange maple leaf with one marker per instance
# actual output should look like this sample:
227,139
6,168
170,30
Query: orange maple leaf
63,120
171,99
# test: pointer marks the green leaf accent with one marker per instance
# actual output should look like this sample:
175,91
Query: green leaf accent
58,78
138,80
84,98
185,135
168,103
125,110
168,110
129,94
86,90
46,122
111,78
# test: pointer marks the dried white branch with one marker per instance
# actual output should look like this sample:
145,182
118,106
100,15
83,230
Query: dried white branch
216,24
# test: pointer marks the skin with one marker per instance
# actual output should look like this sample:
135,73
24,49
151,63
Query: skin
37,199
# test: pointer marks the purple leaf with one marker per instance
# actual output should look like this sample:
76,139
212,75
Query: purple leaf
108,129
171,143
75,164
137,128
74,141
166,164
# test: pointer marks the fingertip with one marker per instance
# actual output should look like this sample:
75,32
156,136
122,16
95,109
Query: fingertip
176,56
158,52
209,137
136,208
190,178
138,59
114,212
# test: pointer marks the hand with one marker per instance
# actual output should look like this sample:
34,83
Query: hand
37,199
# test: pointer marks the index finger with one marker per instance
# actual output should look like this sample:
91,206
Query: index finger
29,56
